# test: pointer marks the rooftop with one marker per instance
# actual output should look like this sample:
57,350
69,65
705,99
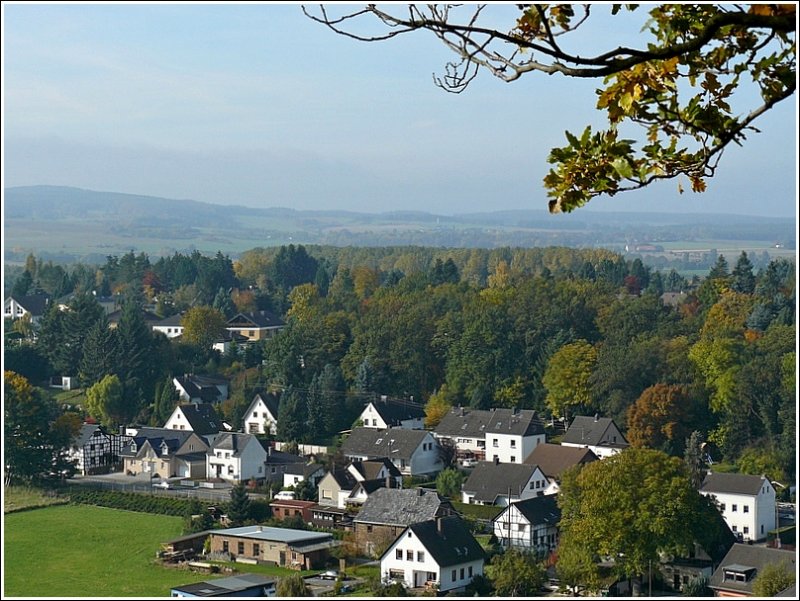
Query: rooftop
281,535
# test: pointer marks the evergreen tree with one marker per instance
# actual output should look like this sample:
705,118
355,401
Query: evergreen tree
75,323
332,411
22,285
166,401
99,352
135,366
743,279
238,509
291,416
224,304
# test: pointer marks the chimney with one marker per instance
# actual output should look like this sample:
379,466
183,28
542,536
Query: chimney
439,525
496,460
259,529
420,492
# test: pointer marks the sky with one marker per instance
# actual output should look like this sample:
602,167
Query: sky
256,105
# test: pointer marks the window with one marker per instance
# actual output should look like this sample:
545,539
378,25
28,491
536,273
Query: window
230,470
733,507
747,529
722,506
398,554
453,575
513,459
521,527
734,529
256,550
227,455
409,555
495,442
224,546
513,444
469,571
374,422
369,527
240,548
532,484
420,556
462,573
746,508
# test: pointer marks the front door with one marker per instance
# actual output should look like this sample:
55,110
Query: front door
282,559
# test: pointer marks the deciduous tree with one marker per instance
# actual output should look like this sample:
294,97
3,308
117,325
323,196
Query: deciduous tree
701,50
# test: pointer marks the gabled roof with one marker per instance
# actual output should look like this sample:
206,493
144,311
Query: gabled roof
490,480
174,439
303,469
270,400
392,443
149,317
344,479
87,432
401,506
395,411
35,304
370,468
202,387
554,459
736,484
449,542
593,431
234,442
370,486
748,561
279,457
171,321
538,510
258,319
475,423
202,418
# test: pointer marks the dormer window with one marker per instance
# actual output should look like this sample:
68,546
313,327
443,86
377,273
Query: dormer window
738,573
133,447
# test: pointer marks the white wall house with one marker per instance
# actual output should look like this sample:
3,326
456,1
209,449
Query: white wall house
747,503
598,434
393,413
440,551
236,457
261,416
413,452
199,418
511,448
495,483
531,524
169,326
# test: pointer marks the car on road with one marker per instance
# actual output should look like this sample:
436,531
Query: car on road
162,484
329,575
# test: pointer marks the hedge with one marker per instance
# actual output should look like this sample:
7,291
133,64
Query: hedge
132,501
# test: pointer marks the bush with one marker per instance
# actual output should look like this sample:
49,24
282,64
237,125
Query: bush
142,503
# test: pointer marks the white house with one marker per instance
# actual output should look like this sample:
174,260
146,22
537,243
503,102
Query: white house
505,434
747,503
599,434
236,457
170,326
201,389
296,473
34,305
201,419
495,483
555,459
531,524
375,469
393,413
439,552
261,417
335,487
93,450
413,452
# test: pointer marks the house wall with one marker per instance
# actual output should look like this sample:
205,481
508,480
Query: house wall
96,455
420,566
467,446
536,484
330,493
510,448
513,529
372,539
147,462
425,459
759,518
169,331
258,420
221,463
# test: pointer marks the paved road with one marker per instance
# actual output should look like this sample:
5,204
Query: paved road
143,484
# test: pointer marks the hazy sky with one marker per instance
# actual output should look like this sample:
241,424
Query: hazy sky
257,105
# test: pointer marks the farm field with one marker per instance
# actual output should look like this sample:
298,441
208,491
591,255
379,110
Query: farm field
84,551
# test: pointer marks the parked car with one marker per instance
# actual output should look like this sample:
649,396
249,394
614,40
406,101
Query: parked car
285,495
162,484
329,575
469,462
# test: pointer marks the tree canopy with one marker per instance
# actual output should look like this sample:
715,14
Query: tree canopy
699,81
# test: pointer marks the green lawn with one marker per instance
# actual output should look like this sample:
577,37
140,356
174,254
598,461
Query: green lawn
20,497
85,551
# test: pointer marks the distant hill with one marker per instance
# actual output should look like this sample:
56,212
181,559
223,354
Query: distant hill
71,223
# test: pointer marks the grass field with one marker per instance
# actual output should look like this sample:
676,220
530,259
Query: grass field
82,551
21,497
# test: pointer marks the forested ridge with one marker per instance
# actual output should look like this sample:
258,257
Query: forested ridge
558,330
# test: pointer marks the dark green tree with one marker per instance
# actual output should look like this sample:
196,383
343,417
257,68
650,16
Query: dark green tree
448,483
99,352
292,416
238,508
224,304
136,361
773,579
292,586
742,278
516,573
165,402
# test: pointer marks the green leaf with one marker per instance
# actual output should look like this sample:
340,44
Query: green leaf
623,168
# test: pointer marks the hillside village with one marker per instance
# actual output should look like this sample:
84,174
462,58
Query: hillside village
436,493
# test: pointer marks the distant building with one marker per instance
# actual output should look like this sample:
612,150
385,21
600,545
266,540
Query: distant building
201,389
495,483
531,524
261,417
741,566
257,325
241,585
284,547
413,452
393,413
34,305
747,503
599,434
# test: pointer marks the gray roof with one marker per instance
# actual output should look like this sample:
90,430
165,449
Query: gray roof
449,542
539,510
87,433
303,469
202,418
749,559
370,468
232,441
269,399
220,587
475,423
554,459
280,457
737,484
344,479
392,443
289,536
35,304
402,507
490,480
156,436
395,411
171,321
202,387
149,317
260,319
594,431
